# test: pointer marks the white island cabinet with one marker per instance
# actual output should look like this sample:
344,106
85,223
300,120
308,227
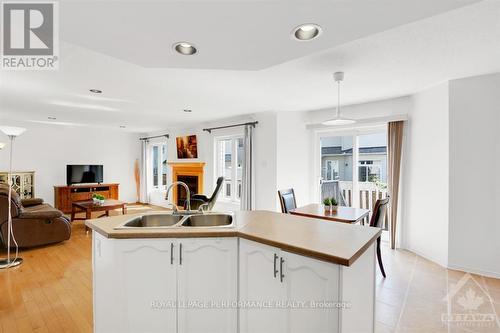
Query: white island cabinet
302,291
270,273
282,292
208,285
165,285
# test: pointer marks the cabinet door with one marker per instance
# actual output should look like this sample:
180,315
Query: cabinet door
309,284
260,289
147,284
208,285
106,316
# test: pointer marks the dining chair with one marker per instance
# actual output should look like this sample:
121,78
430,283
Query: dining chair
377,220
287,200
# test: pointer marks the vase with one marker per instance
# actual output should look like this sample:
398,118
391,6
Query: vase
334,208
328,209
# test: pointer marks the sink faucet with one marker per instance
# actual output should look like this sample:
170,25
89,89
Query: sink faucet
188,195
205,204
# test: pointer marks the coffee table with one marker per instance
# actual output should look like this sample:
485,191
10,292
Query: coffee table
89,206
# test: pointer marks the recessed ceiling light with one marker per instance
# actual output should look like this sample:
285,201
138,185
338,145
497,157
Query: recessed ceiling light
307,31
95,91
123,126
185,48
51,118
187,110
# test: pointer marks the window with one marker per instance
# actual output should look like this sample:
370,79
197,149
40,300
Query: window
229,164
332,170
369,171
159,165
155,160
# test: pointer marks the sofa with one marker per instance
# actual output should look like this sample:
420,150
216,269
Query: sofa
34,222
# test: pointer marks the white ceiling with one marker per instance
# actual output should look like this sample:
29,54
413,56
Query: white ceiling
395,62
235,35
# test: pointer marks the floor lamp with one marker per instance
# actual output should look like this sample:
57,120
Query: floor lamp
12,133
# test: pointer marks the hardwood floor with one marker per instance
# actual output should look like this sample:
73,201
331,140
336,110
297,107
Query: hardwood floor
52,290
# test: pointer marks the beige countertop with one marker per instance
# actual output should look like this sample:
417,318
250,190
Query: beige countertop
334,242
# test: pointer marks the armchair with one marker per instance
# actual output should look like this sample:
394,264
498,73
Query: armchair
199,199
34,222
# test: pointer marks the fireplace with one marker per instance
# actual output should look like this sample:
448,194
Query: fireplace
189,173
191,182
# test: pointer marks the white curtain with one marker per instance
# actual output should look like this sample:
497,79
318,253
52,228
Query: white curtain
144,171
247,177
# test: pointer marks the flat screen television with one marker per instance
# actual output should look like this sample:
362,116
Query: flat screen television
84,174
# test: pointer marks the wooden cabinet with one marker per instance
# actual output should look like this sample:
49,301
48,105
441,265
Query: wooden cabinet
292,286
208,285
64,196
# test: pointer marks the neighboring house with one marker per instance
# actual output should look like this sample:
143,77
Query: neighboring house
336,164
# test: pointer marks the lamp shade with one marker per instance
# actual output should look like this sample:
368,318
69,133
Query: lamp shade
339,122
12,131
2,145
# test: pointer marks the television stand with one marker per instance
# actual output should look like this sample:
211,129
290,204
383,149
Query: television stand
64,196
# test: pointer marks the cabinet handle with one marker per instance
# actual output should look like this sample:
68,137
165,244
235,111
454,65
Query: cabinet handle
281,269
171,253
275,268
180,254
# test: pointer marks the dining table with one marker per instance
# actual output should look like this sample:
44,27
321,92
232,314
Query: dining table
341,214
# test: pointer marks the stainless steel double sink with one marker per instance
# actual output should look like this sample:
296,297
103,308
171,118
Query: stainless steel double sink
164,220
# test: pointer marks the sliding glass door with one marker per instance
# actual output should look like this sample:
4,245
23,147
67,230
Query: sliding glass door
372,168
353,166
336,168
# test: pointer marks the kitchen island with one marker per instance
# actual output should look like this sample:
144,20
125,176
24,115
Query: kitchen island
266,272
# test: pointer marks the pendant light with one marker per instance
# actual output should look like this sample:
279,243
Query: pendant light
338,120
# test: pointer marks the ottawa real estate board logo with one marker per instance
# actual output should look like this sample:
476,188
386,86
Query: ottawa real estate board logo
30,35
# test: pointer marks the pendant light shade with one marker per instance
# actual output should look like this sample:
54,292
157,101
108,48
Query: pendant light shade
338,120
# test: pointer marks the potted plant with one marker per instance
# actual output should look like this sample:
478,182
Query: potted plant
327,204
334,204
98,198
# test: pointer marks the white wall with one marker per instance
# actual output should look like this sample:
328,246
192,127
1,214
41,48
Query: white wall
474,230
46,149
425,176
294,154
264,150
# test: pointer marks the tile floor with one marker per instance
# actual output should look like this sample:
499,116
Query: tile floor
414,297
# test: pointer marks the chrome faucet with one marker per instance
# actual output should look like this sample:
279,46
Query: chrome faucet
205,204
188,195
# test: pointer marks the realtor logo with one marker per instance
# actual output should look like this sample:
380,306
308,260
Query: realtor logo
29,35
470,306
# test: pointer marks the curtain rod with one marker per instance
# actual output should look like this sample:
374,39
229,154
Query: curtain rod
209,130
156,136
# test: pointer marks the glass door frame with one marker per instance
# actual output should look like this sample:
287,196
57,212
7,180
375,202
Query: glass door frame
354,132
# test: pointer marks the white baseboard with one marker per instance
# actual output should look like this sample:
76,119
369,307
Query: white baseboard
495,275
425,256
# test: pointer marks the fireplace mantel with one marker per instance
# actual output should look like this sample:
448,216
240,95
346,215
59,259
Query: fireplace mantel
180,169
